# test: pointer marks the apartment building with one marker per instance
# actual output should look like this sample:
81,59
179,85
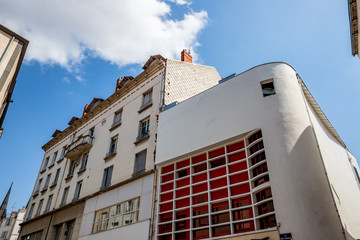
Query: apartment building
96,179
10,226
254,158
12,51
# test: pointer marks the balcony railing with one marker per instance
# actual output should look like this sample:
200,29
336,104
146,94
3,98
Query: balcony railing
80,146
142,136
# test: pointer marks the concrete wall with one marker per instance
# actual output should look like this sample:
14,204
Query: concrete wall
142,188
339,167
302,198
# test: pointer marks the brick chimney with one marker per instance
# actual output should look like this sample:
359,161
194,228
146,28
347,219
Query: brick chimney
186,57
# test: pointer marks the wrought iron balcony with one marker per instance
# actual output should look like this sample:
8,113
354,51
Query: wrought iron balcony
80,146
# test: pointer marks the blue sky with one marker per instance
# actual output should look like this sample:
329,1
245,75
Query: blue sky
73,58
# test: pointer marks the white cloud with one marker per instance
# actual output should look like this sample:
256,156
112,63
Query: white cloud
66,79
79,78
181,2
120,31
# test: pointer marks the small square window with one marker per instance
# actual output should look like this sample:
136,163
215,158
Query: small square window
267,88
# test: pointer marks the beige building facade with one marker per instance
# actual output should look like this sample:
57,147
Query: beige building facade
12,51
10,226
101,168
354,12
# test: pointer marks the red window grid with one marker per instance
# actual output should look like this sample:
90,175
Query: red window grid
202,198
220,206
241,201
199,158
182,203
182,182
166,197
256,147
167,178
218,162
200,188
240,177
201,222
263,194
183,192
183,164
222,193
166,207
260,169
201,234
221,230
200,167
235,146
218,172
183,173
240,189
182,236
166,217
164,228
265,207
237,167
182,214
237,156
200,210
218,183
167,169
217,152
167,187
199,177
166,237
261,180
244,227
255,136
242,214
182,225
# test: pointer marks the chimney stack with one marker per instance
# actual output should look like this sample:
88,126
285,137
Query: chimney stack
186,57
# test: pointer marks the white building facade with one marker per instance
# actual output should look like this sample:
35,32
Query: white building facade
254,158
97,176
10,227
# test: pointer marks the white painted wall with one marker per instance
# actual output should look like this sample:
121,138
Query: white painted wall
302,198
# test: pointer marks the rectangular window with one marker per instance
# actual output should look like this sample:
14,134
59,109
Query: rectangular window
256,147
117,118
71,168
268,88
31,210
8,222
56,177
261,180
91,132
4,234
63,151
146,100
140,163
38,187
47,182
113,145
39,208
255,136
64,197
263,194
265,208
46,161
48,204
77,191
84,160
143,129
106,182
357,174
122,214
53,158
267,222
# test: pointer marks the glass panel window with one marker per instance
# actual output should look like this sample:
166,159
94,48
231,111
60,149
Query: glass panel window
267,88
143,128
113,145
77,191
107,177
117,118
147,99
84,160
48,204
56,177
39,208
140,163
53,158
46,161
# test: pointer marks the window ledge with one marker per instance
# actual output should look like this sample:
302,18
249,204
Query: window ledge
109,156
36,193
42,170
68,177
44,190
142,138
114,126
81,170
60,160
104,187
138,173
145,106
52,185
51,165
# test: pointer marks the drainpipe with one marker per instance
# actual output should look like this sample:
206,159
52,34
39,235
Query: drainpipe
7,49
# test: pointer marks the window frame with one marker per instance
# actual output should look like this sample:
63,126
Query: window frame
136,171
107,175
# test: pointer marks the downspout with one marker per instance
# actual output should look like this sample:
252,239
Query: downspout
162,89
7,49
321,157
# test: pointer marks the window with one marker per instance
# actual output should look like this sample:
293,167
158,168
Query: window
267,222
53,159
265,207
77,191
117,118
112,147
143,129
140,162
260,169
147,100
48,204
38,187
264,194
31,210
64,197
8,222
69,229
33,236
84,160
116,216
261,180
39,207
4,234
91,132
106,182
357,174
71,168
267,88
47,182
63,151
45,164
56,177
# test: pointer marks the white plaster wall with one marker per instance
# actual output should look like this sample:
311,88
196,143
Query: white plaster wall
301,195
339,167
140,188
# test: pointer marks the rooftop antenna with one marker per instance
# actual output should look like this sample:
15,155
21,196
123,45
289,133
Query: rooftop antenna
189,49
